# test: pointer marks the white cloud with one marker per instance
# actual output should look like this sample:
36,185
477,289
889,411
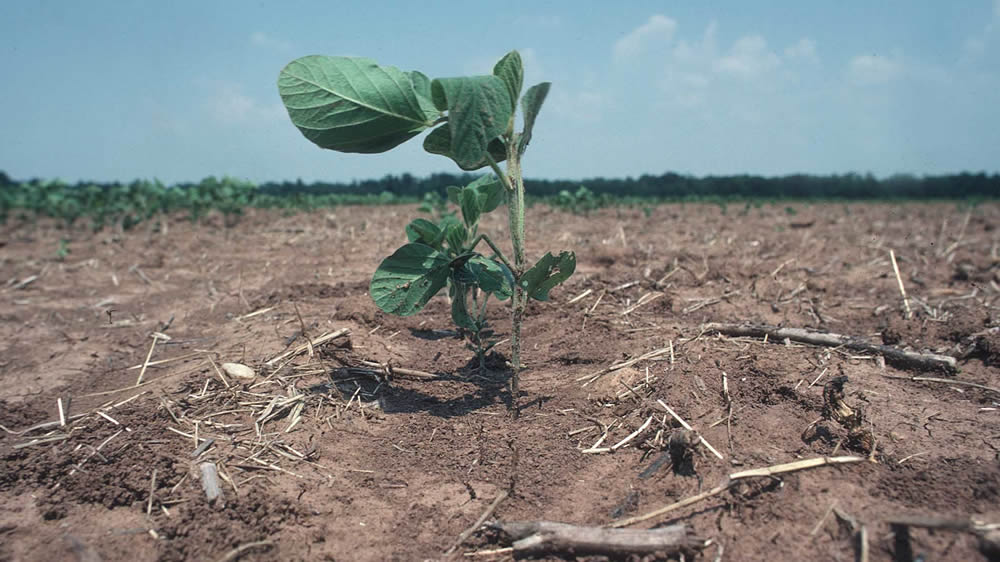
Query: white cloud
875,69
748,58
658,27
585,106
261,39
699,52
975,46
805,50
230,106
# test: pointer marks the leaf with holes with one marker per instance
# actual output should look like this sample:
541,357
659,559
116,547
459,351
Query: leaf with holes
547,273
406,280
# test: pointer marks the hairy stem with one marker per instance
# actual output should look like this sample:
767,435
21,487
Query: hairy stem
515,214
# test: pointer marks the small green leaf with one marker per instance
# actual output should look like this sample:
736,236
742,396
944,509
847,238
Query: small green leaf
531,104
454,194
479,109
470,207
351,104
406,280
511,71
491,276
455,234
425,232
439,142
489,192
547,273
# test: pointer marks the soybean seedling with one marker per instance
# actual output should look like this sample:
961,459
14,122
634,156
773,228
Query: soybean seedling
352,104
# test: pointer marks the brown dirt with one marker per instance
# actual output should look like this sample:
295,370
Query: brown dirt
397,471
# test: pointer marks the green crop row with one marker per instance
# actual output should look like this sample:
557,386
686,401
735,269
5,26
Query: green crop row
127,205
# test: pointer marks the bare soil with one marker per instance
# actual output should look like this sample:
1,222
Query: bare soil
323,460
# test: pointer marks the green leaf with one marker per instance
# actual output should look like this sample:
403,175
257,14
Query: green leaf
491,276
455,233
489,192
406,280
470,207
547,273
511,71
459,308
425,232
454,194
531,104
351,104
422,85
479,109
439,142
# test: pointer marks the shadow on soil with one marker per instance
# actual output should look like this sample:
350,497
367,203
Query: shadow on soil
394,397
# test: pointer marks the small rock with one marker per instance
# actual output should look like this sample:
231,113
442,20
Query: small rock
239,371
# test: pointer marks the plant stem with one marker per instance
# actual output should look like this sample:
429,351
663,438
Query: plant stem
493,247
515,214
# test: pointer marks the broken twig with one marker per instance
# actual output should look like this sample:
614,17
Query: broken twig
901,357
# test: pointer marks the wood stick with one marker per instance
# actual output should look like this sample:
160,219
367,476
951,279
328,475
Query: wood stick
632,435
580,296
309,345
689,428
479,522
730,480
236,552
142,371
900,357
899,279
210,481
549,536
955,382
152,491
989,534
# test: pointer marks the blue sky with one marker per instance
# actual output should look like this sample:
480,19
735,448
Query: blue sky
178,91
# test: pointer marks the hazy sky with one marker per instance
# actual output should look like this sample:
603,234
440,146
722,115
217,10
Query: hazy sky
178,91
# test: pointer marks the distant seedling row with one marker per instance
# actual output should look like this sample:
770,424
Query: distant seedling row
127,205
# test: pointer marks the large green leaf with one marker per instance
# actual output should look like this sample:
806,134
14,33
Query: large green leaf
439,142
406,280
531,104
547,273
511,71
351,104
479,109
491,276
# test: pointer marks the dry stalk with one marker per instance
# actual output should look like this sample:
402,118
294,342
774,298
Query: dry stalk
901,357
733,478
899,280
685,425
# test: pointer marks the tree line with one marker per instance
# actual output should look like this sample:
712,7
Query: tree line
669,186
672,186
